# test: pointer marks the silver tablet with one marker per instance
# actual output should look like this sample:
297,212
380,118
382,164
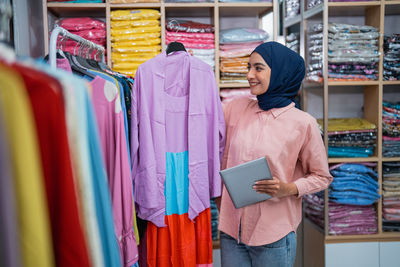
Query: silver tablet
239,181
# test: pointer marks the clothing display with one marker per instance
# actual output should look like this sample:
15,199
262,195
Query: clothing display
135,37
350,137
391,59
293,42
177,139
391,129
292,8
314,41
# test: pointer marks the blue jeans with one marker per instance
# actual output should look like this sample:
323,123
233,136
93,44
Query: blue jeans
281,253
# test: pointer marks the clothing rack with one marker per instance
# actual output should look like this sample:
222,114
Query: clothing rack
66,34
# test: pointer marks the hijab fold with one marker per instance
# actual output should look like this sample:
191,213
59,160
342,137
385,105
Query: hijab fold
287,73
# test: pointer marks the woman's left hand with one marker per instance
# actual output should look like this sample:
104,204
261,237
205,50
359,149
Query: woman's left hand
275,188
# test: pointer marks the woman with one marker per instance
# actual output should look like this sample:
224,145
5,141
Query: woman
263,234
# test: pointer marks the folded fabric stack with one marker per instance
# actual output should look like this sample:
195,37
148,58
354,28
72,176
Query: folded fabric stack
313,3
391,59
90,29
350,137
292,8
313,206
353,52
391,129
228,95
214,220
293,41
235,47
391,196
198,38
135,37
314,69
352,194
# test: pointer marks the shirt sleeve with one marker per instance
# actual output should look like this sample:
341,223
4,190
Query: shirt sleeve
314,162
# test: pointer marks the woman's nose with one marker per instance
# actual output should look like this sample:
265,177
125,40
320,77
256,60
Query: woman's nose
250,74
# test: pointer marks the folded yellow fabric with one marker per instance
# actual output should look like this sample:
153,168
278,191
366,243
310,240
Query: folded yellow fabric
123,24
135,37
347,124
153,41
137,49
117,32
135,14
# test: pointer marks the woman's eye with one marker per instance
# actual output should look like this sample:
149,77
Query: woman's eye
259,69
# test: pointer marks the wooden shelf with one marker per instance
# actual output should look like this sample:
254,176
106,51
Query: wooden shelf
246,4
352,160
135,5
351,83
244,9
390,159
288,22
361,238
76,9
391,82
234,85
396,2
354,4
314,11
189,5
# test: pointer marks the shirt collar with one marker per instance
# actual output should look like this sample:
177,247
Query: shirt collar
278,111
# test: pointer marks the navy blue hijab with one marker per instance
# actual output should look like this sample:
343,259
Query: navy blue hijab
287,73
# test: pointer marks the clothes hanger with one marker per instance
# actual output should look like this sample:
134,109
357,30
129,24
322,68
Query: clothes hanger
76,67
175,46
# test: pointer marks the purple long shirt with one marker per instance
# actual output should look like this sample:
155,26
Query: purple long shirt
206,133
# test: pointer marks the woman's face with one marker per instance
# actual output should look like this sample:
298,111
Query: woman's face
259,74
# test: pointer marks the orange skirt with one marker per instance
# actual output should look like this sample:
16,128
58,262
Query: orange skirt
182,243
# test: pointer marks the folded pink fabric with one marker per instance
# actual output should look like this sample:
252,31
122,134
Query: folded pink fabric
81,23
207,36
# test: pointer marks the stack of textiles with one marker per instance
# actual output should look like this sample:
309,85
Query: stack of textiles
228,95
353,52
352,194
198,38
135,37
391,59
314,69
235,47
214,220
293,42
88,28
292,8
391,129
391,196
351,137
76,208
313,3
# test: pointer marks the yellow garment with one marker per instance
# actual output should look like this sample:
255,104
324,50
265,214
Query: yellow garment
123,24
347,124
153,41
118,32
33,218
135,37
135,14
126,66
135,57
138,49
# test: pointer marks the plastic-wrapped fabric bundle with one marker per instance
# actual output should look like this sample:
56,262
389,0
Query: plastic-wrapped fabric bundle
391,129
135,38
350,137
292,8
198,38
293,42
313,3
88,28
391,196
314,43
391,59
353,52
242,35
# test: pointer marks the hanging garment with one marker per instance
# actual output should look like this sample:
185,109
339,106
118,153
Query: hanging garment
179,231
45,94
33,217
206,134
